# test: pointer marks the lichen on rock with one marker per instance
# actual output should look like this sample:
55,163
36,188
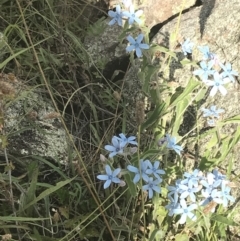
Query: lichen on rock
31,124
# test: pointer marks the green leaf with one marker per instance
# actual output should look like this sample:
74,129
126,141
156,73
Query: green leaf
154,117
48,192
161,49
179,113
20,219
4,63
132,187
154,234
181,237
224,220
192,84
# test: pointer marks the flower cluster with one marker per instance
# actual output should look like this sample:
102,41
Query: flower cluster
147,171
184,195
212,114
196,189
133,17
171,143
119,143
226,75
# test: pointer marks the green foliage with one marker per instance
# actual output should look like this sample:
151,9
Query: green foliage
43,199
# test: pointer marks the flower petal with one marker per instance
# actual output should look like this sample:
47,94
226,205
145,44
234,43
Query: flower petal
102,177
183,219
138,52
132,169
116,172
136,178
108,170
213,91
139,38
130,48
144,46
222,90
131,39
116,180
109,148
107,184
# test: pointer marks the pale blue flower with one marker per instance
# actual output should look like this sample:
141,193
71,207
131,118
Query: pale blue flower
144,166
152,186
174,190
206,53
133,16
212,112
171,144
218,175
136,45
228,72
210,182
225,194
111,176
127,140
186,211
193,178
217,84
116,16
210,196
187,47
116,148
153,169
188,190
172,206
206,70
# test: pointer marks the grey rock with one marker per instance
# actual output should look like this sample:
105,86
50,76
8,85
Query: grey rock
31,124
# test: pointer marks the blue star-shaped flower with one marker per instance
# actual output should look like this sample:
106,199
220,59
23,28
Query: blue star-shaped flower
111,176
144,166
192,179
172,206
174,190
206,70
228,72
210,196
212,112
218,175
186,211
133,16
187,47
217,84
206,53
210,182
136,45
116,16
225,194
171,144
127,140
188,190
152,186
153,169
116,148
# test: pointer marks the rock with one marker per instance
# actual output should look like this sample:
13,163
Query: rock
157,11
202,26
104,47
29,122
